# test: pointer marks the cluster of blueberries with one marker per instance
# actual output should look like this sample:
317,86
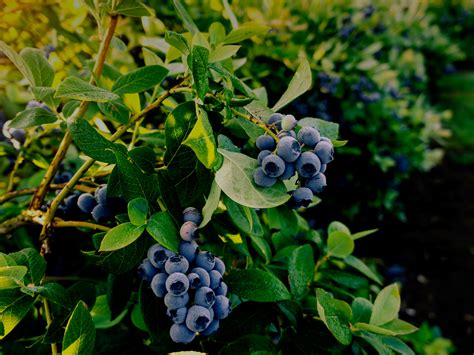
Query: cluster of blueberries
305,153
190,283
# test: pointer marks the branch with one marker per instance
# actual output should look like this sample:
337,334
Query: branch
10,195
13,223
79,224
258,122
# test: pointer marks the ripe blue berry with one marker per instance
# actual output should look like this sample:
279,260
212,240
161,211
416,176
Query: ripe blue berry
179,333
71,202
158,255
203,276
288,122
265,142
216,278
325,151
302,197
174,302
102,213
282,134
219,266
273,166
221,290
309,136
206,260
276,119
261,179
194,280
204,297
262,155
211,328
188,231
323,168
289,171
177,284
178,315
288,149
146,270
192,214
86,202
221,307
308,164
158,284
101,194
198,318
176,263
317,183
189,250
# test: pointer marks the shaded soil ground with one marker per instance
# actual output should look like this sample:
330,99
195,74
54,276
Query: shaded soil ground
436,249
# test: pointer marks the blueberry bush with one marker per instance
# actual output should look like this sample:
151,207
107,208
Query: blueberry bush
153,201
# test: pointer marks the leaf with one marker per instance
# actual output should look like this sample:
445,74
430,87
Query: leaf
140,79
235,178
124,259
244,32
236,82
338,226
7,282
18,61
46,95
6,260
137,211
262,247
397,345
15,272
400,327
121,236
92,142
361,310
340,244
43,72
77,89
79,337
115,110
185,17
359,265
327,129
32,117
363,234
162,228
336,316
222,52
36,265
178,41
373,329
240,215
386,305
254,344
257,285
198,62
145,158
55,293
216,33
119,291
226,143
132,8
211,204
102,316
299,84
201,140
301,271
14,313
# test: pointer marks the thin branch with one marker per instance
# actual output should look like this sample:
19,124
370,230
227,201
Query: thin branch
47,313
13,223
13,194
11,179
79,224
258,122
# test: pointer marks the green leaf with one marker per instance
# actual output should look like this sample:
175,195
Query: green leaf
7,282
178,41
376,342
137,211
18,61
327,129
55,293
6,260
145,158
162,228
338,226
386,305
198,62
361,310
46,95
119,291
133,8
77,89
91,142
43,72
14,313
102,316
299,84
36,265
226,143
8,297
253,344
244,32
79,337
363,234
222,52
115,110
236,82
340,244
301,271
262,247
240,215
140,79
397,345
373,329
235,178
336,316
33,117
211,204
185,17
257,285
201,140
216,33
15,272
399,327
121,236
359,265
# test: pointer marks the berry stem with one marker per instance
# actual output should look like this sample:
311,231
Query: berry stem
258,122
47,313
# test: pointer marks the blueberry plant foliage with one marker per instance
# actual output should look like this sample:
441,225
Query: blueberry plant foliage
137,145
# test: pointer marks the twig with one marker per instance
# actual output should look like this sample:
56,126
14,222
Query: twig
13,223
47,313
11,178
13,194
258,122
79,224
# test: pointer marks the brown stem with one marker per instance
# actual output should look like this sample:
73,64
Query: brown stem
10,195
79,224
13,223
258,122
11,179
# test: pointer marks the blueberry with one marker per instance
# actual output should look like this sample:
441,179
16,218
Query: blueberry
179,333
205,260
326,139
71,202
204,297
189,250
282,134
276,119
261,179
101,195
211,312
86,202
158,284
198,318
221,290
265,142
317,183
288,149
192,214
176,263
216,278
158,255
309,136
302,197
325,151
289,171
177,284
177,315
288,122
203,276
174,302
146,271
273,166
262,155
188,231
194,280
219,266
323,168
211,328
308,164
221,307
102,213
